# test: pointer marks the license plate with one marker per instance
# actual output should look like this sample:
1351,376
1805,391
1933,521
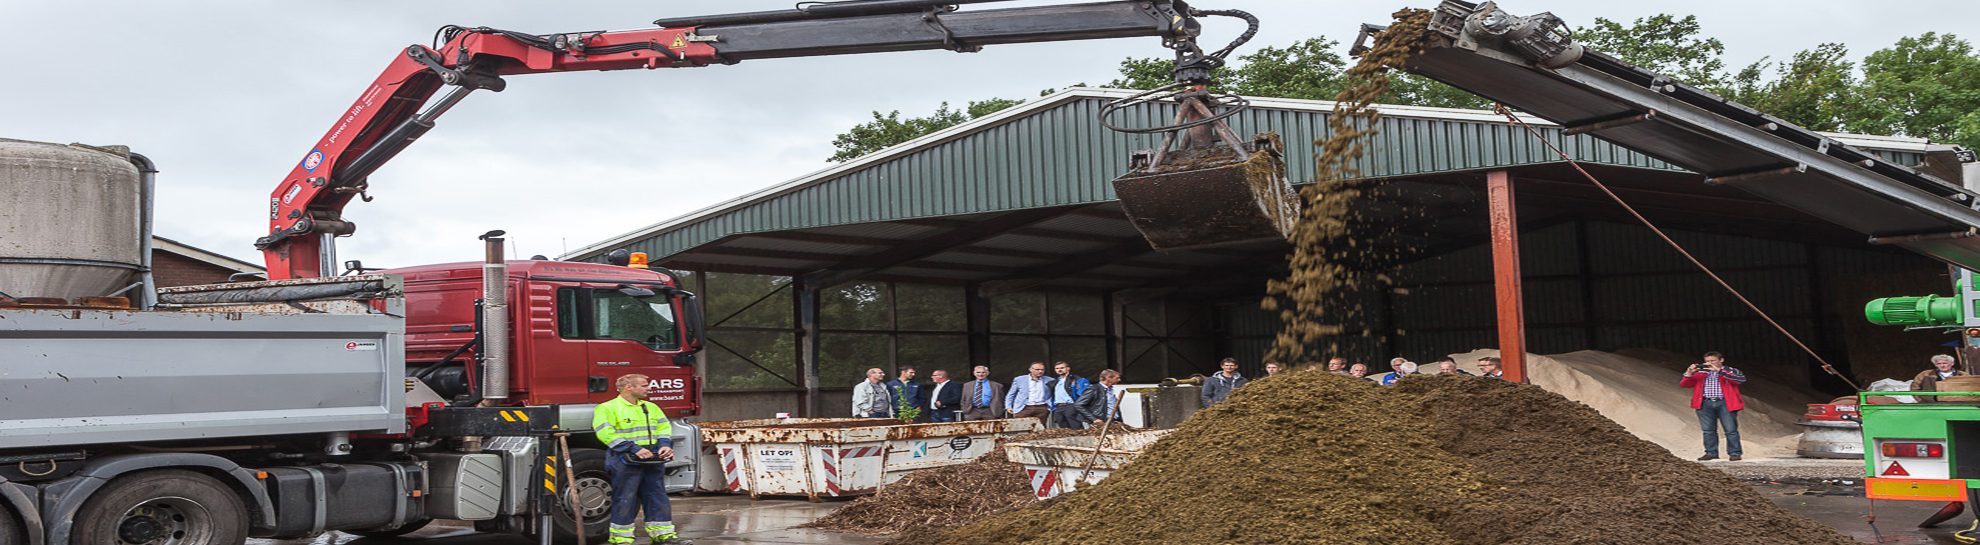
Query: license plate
1846,408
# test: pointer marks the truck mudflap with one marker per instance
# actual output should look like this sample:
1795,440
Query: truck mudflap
20,499
1893,488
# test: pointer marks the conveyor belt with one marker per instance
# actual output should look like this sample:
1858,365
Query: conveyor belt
1481,49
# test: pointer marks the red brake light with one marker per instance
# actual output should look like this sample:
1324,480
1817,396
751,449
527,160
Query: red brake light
1914,450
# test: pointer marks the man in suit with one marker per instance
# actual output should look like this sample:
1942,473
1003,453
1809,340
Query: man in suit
1100,400
982,399
1030,394
944,397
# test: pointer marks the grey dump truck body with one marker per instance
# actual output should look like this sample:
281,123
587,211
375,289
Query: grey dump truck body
84,376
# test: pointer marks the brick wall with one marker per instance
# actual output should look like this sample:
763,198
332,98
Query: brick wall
169,269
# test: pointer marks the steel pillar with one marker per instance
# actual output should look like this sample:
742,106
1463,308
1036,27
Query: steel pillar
804,307
1505,274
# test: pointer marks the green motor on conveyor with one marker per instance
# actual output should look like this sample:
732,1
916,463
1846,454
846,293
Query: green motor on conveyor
1929,310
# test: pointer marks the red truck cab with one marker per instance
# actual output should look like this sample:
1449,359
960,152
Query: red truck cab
576,327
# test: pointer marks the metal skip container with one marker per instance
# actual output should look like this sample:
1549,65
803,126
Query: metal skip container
1057,466
832,457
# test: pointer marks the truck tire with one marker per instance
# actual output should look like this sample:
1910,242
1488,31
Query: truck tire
11,529
162,507
594,490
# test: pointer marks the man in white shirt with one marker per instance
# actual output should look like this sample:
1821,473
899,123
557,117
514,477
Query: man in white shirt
944,398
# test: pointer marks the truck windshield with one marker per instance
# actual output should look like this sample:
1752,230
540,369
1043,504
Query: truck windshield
651,321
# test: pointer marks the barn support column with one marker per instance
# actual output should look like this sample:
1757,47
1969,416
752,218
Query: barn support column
1505,274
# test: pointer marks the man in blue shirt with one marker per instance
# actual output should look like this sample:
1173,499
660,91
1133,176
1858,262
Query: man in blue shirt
1030,395
1066,391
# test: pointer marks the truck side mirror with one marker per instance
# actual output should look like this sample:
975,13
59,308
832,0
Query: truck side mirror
693,320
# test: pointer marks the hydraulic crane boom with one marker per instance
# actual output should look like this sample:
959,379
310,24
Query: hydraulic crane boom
306,211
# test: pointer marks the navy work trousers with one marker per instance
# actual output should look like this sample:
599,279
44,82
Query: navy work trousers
635,486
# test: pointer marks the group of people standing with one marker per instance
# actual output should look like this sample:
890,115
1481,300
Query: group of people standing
1061,400
1401,367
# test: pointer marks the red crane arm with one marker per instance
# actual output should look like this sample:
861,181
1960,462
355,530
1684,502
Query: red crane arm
306,210
310,199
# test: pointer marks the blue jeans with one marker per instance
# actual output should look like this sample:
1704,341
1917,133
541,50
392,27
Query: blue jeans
1712,415
943,415
635,486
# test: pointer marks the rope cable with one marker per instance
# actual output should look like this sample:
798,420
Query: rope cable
1515,120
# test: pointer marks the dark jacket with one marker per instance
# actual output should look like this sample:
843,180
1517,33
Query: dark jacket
951,396
910,392
970,396
1074,388
1092,403
1216,388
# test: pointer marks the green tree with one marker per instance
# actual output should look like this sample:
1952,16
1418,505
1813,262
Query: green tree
1151,72
890,129
1816,89
1925,86
1309,68
1661,43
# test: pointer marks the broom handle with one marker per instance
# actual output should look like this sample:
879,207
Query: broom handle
1106,426
577,503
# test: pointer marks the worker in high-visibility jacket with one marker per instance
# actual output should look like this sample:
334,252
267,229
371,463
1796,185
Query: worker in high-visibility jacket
639,441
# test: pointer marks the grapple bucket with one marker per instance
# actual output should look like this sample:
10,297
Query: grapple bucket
1210,195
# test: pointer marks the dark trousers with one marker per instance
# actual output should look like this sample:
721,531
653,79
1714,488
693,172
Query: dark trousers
944,415
1039,412
1067,416
981,413
635,486
1712,415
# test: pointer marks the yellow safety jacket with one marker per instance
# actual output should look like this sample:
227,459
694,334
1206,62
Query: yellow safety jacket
628,427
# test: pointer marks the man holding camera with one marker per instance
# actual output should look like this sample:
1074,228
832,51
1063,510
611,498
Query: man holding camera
1715,397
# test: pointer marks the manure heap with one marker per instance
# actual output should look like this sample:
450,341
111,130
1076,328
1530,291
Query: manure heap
1313,458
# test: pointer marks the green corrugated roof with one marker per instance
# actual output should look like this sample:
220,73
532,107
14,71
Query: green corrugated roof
1052,152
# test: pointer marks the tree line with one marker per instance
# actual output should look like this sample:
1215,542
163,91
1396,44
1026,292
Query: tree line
1925,86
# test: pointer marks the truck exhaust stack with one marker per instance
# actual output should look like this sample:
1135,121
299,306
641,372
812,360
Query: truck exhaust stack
494,319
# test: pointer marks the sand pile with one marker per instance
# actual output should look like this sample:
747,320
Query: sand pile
1638,389
1313,458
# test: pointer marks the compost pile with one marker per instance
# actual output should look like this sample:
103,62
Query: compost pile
1314,458
945,496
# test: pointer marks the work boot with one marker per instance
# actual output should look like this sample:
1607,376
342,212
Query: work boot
672,540
1708,457
1733,458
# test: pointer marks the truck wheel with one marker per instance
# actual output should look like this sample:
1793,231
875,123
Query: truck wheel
11,529
594,488
163,507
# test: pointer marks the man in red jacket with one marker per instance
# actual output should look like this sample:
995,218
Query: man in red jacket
1715,396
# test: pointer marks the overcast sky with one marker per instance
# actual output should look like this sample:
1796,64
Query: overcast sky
227,96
